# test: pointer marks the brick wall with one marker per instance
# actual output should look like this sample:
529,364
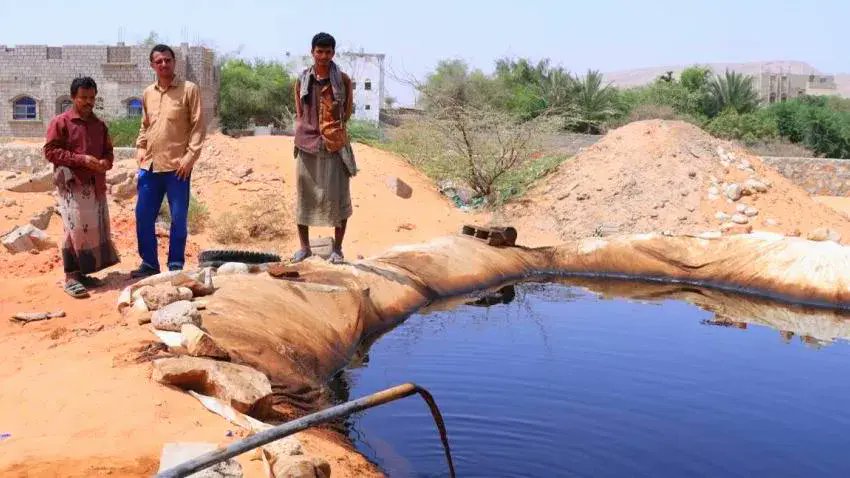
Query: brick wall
819,176
29,158
45,74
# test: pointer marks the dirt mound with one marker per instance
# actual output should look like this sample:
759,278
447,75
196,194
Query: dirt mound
669,176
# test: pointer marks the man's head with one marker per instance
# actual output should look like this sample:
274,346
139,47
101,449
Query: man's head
162,61
83,95
323,48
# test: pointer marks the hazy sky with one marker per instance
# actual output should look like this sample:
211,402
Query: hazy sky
603,34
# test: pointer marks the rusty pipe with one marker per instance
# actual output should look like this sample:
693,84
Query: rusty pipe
275,433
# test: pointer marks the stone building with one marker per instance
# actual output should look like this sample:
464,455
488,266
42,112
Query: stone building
367,76
35,81
780,86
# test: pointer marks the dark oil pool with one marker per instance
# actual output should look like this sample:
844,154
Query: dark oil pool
549,379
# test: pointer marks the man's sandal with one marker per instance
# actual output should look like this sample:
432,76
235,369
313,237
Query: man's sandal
300,255
336,258
76,289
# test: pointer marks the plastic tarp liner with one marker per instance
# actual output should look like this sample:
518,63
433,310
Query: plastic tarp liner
300,332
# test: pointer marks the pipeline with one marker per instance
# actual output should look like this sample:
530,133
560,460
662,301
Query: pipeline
281,431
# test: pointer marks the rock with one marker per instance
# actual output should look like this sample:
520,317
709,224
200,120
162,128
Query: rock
751,212
37,183
755,186
42,219
713,190
732,228
740,219
200,344
125,190
398,187
710,235
158,296
27,238
795,233
174,454
722,216
692,173
233,268
322,246
304,468
35,316
733,191
823,234
771,222
185,293
117,177
243,388
10,203
173,316
289,446
741,208
243,171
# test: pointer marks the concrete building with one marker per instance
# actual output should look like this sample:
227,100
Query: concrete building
35,81
367,76
780,86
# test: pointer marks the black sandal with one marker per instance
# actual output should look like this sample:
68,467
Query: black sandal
92,282
76,289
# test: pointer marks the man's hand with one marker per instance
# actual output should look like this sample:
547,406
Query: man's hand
96,165
140,156
185,168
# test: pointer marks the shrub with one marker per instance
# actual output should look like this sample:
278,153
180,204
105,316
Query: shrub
265,218
364,131
749,127
197,216
124,131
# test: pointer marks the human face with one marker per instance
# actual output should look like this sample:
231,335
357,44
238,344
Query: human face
84,101
322,55
163,64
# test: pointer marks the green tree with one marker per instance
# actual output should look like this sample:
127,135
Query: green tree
262,91
695,78
731,91
595,103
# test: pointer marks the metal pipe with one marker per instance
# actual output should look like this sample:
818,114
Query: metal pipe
294,426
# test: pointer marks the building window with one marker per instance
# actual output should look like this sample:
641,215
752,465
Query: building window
54,53
24,108
368,107
98,104
353,85
367,85
63,104
784,97
773,97
134,107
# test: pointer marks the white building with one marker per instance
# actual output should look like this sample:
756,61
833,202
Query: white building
367,76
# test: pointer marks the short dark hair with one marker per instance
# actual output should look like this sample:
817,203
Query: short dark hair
82,82
162,49
323,39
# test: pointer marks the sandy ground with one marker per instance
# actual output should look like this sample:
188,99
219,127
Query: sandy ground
657,176
76,395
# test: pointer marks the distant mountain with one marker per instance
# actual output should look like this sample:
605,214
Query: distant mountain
642,76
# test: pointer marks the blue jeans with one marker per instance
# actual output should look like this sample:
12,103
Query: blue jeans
153,187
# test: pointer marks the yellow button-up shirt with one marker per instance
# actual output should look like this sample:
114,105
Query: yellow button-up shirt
172,125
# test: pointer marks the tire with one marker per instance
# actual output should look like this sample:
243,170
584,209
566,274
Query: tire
215,258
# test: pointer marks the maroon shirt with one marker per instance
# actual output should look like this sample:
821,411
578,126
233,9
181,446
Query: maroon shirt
70,138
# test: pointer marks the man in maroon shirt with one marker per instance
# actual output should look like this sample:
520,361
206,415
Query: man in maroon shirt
80,149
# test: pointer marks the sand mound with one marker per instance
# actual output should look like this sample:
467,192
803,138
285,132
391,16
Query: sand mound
669,176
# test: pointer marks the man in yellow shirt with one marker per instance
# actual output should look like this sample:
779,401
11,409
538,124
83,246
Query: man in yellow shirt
169,143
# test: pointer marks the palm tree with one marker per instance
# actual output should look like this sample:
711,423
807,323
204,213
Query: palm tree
732,91
594,102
